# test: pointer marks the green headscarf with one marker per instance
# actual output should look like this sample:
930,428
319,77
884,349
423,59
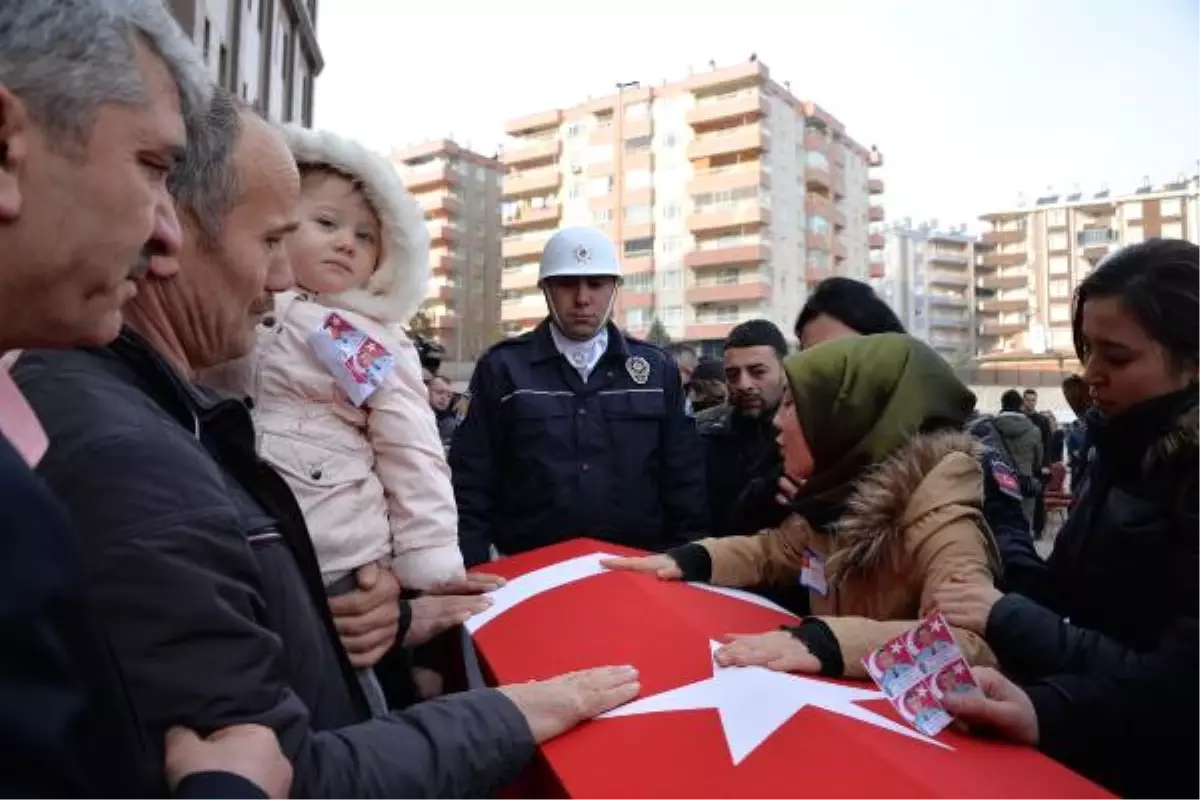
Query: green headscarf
860,399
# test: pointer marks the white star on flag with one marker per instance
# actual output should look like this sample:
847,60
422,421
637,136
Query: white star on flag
936,626
897,648
754,702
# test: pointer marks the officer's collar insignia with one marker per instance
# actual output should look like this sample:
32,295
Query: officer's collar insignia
582,255
638,369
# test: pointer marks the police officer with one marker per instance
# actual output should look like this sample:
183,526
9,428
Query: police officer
574,429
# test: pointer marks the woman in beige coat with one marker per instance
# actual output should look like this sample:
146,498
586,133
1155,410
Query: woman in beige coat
889,508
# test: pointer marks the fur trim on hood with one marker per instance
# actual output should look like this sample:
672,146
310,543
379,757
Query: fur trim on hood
398,286
871,532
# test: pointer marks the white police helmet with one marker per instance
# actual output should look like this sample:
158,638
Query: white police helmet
578,253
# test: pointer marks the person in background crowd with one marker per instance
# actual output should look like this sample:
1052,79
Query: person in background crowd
740,454
441,397
707,389
889,508
842,307
1023,443
1042,423
1075,391
199,560
1106,642
685,359
574,429
95,99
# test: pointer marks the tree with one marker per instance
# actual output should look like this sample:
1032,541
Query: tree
657,335
421,325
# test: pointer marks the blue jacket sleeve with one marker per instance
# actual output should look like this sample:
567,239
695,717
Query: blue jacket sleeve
682,479
1023,569
473,468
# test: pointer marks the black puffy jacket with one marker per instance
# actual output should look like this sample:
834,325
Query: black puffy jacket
1105,637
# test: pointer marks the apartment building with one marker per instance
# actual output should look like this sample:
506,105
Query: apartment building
459,191
264,51
928,280
727,196
1033,256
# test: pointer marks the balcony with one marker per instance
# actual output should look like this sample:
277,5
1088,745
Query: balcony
1003,259
1095,252
817,179
818,204
444,292
875,186
941,277
1000,306
727,256
949,322
745,292
816,141
429,176
519,279
1013,281
875,241
735,141
533,153
636,300
1002,237
441,264
637,265
947,300
948,257
522,248
707,330
875,213
876,270
534,181
1001,328
533,217
532,123
529,310
445,322
817,241
814,275
442,233
726,219
716,112
724,179
440,205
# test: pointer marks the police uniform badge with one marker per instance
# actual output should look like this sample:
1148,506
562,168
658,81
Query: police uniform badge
638,369
460,407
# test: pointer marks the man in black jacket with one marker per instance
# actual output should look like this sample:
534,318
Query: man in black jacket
91,99
198,555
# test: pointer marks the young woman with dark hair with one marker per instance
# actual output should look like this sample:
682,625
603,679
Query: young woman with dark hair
841,307
1106,640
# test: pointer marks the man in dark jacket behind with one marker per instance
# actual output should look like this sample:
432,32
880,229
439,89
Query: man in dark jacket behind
197,553
1022,442
740,454
88,146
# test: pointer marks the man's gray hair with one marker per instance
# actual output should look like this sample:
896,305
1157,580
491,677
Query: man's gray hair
66,58
205,183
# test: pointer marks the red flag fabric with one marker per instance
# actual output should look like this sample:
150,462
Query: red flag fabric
813,737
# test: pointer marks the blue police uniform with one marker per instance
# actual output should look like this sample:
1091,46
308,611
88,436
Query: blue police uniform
542,457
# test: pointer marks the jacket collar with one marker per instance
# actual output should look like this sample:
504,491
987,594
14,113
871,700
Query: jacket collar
183,399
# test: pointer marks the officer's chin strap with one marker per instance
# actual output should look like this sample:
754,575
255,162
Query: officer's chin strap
612,300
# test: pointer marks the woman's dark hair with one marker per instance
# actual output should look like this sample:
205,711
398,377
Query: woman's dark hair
852,303
1158,282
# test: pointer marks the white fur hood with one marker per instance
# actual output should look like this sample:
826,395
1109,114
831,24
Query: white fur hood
398,286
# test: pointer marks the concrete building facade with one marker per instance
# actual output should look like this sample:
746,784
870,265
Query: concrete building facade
459,191
1033,256
264,51
726,196
928,277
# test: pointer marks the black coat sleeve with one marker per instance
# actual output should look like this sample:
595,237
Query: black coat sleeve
682,469
217,786
756,508
180,590
473,468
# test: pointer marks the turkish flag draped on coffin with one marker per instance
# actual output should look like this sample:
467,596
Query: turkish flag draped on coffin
701,731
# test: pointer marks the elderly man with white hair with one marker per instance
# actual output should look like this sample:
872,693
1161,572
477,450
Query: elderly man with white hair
202,566
95,100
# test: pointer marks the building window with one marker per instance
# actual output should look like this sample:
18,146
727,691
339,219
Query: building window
818,224
575,191
1134,234
639,248
1060,313
1133,210
673,315
599,186
1056,217
642,282
635,318
727,276
669,210
602,217
636,111
726,313
670,140
1060,288
1056,241
1170,207
574,129
670,244
638,144
670,279
599,154
638,179
639,213
815,158
818,259
1059,265
1172,230
207,39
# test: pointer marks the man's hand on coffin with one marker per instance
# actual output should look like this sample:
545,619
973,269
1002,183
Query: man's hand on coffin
665,567
367,619
433,614
777,650
552,707
472,583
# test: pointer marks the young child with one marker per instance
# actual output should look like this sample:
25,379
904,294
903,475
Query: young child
334,386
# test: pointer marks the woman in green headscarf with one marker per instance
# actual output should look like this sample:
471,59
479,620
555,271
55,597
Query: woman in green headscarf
889,508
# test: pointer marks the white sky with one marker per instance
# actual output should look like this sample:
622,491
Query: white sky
970,101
